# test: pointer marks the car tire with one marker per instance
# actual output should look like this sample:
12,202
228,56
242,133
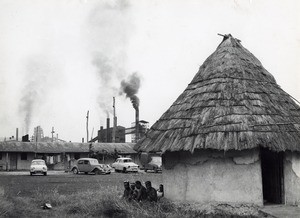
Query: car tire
124,170
45,173
97,172
145,170
75,171
31,173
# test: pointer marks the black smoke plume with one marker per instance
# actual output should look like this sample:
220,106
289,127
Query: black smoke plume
130,88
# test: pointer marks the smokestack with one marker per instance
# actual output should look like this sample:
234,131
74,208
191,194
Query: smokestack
114,122
137,135
107,129
17,134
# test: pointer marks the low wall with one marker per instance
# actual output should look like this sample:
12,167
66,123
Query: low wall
213,176
292,178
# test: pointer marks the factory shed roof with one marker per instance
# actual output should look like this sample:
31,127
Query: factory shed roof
232,103
67,147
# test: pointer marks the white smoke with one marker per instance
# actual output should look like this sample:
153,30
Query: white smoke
110,27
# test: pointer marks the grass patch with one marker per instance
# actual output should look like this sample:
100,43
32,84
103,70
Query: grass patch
107,203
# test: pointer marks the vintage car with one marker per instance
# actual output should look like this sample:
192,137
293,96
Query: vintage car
125,164
154,164
38,166
90,165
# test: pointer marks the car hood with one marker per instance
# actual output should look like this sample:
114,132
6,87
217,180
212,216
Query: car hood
38,166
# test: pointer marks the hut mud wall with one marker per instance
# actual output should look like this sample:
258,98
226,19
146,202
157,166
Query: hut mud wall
213,176
292,178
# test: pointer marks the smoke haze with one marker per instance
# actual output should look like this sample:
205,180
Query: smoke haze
110,28
39,79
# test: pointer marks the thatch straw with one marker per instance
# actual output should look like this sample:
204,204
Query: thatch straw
233,102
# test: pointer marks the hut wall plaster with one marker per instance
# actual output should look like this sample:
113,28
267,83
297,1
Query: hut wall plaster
292,178
24,164
213,176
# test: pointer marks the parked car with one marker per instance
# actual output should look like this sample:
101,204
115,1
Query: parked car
125,164
153,163
90,165
38,166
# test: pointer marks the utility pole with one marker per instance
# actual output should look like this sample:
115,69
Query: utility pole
36,141
87,126
52,132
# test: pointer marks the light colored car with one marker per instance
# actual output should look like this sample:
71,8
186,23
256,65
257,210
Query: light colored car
90,165
125,164
38,166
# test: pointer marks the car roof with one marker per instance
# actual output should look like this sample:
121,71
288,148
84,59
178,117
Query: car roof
37,160
87,158
124,158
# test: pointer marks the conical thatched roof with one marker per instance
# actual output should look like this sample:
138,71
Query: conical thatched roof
233,102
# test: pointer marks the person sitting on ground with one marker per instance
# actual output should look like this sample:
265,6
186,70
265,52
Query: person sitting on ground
127,190
133,192
141,193
151,192
160,191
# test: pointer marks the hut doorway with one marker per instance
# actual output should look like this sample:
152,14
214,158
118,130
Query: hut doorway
272,176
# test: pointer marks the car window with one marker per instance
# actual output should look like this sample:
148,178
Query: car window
85,162
38,163
127,161
80,162
94,162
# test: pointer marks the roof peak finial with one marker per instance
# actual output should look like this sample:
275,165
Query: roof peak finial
225,36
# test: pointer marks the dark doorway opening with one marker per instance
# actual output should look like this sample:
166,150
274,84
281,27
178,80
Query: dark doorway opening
272,176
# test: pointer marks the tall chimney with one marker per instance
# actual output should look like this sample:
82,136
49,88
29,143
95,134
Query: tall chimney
107,129
114,122
17,134
137,135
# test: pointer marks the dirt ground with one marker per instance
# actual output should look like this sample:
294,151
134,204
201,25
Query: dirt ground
22,184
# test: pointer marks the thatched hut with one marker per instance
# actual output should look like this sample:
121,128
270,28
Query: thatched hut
232,136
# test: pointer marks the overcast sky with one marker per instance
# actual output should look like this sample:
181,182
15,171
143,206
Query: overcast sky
61,58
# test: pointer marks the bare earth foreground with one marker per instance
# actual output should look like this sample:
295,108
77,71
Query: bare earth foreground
22,195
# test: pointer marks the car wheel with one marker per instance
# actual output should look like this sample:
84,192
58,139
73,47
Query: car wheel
124,170
155,170
45,173
31,173
97,172
145,170
75,171
85,173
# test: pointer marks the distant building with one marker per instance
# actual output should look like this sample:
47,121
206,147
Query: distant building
143,128
38,134
106,135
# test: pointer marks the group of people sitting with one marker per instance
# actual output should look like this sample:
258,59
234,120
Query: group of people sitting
136,191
